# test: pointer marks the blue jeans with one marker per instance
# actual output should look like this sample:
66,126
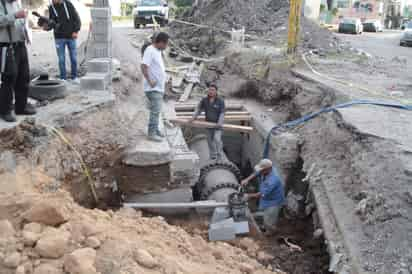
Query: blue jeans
155,100
214,141
61,54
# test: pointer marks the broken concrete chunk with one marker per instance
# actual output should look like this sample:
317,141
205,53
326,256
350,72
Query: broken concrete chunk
12,260
47,269
30,238
53,244
247,268
6,229
33,227
31,233
147,153
92,242
47,213
81,261
20,270
145,259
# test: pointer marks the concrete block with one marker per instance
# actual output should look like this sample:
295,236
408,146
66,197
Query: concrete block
241,227
102,26
220,214
99,65
95,81
101,3
101,38
147,153
100,13
180,195
222,231
185,168
100,50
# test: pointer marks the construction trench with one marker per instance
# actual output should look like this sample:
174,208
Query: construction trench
347,173
309,239
299,224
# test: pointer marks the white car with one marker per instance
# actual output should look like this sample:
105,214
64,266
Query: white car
372,26
145,10
350,25
406,39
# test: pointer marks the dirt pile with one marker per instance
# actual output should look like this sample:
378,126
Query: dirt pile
266,19
51,234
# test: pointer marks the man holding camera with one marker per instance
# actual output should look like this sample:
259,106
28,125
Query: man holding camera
15,71
65,21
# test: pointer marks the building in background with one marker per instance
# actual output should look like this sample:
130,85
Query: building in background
311,9
362,9
115,5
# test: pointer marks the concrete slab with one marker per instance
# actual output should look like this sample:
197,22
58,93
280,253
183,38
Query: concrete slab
148,153
181,195
76,104
381,122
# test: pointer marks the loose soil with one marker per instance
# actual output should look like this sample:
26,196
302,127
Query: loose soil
272,251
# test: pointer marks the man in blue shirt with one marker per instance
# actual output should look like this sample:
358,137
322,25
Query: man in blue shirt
271,193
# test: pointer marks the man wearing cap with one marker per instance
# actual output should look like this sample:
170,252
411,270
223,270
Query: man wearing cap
271,193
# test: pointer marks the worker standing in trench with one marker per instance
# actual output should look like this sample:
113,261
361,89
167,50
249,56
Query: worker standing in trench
271,194
214,108
154,73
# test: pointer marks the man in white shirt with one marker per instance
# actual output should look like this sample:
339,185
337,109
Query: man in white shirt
154,73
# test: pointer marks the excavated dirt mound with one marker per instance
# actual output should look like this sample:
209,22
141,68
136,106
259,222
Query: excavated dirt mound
52,234
266,19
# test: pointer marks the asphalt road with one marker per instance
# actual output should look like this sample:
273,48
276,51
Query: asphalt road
384,44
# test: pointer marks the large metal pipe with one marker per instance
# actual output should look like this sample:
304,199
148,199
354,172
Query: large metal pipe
218,179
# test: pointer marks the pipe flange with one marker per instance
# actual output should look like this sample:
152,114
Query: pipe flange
212,165
205,196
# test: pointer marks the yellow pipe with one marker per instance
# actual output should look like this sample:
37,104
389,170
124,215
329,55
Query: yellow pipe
294,25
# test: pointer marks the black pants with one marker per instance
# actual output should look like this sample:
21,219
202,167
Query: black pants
19,83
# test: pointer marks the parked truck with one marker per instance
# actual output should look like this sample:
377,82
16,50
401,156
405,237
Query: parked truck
146,10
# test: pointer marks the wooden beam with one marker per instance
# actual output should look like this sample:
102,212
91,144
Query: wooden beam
201,124
191,107
186,93
231,118
188,113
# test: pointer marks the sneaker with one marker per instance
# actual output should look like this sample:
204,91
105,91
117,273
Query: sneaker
28,110
75,81
155,138
9,117
160,134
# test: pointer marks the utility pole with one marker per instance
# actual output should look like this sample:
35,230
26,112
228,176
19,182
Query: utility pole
294,25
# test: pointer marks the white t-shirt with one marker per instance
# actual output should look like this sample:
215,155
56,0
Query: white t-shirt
152,57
